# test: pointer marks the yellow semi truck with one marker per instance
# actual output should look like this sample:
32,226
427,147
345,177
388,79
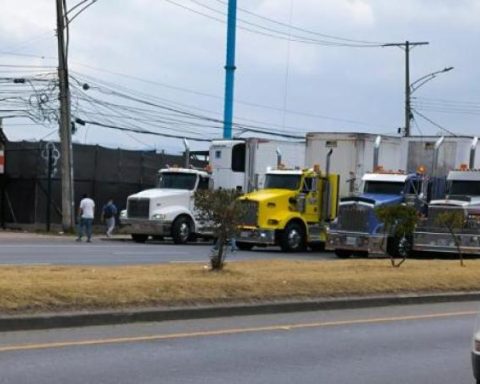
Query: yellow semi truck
291,211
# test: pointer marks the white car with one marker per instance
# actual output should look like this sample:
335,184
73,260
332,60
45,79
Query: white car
476,351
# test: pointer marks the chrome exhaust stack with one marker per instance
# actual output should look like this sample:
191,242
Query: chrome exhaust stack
473,150
187,153
376,152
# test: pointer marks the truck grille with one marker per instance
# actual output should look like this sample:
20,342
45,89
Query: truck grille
353,217
434,213
138,208
249,213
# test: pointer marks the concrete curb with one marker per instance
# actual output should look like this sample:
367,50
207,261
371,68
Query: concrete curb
79,319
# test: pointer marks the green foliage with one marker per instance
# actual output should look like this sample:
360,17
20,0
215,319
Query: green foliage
221,210
399,223
453,221
401,219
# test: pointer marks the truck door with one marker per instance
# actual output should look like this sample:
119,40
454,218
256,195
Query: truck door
309,190
203,184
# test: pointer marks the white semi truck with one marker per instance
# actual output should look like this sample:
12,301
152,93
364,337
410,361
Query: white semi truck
167,210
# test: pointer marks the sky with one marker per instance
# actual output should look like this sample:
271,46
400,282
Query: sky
302,66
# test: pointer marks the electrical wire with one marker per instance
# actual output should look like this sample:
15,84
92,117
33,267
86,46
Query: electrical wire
433,122
270,32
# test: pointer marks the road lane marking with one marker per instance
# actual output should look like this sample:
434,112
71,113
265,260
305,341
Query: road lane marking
232,331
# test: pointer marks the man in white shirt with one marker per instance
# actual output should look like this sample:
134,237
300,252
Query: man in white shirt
86,212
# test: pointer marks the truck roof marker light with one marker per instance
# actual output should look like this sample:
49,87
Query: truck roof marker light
421,170
463,167
316,168
379,169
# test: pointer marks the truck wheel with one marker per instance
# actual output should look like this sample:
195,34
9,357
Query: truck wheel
181,230
292,238
244,246
343,253
401,246
139,238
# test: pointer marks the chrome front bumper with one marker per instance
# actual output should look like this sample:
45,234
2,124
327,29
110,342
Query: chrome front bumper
146,227
443,242
256,236
356,242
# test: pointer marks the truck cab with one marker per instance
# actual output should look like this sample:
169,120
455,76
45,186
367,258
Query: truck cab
463,196
167,210
291,210
357,228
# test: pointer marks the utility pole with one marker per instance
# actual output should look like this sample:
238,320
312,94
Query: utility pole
65,128
230,69
408,110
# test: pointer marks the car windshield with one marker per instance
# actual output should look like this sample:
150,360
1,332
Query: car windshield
274,181
465,187
176,180
384,187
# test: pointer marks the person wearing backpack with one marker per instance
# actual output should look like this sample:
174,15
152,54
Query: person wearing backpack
108,215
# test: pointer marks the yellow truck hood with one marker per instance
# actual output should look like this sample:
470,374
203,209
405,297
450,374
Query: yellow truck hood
268,194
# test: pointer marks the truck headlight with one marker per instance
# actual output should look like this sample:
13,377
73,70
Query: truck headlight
159,216
123,213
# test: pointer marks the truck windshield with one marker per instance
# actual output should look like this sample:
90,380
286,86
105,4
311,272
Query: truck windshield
273,181
465,187
384,187
176,180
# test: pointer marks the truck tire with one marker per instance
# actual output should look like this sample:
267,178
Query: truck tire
400,246
182,230
139,238
244,246
343,253
292,238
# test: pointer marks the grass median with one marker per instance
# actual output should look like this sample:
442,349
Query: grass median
53,288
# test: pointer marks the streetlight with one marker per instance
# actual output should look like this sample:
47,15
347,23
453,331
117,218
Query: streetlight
412,87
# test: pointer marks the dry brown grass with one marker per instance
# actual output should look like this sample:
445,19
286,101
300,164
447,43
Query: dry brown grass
25,289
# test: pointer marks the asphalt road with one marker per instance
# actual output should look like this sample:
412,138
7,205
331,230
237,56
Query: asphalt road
56,250
395,345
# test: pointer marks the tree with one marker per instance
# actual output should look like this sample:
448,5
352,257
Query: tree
399,223
453,221
222,210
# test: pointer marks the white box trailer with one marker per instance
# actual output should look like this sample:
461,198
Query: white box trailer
242,163
452,152
353,155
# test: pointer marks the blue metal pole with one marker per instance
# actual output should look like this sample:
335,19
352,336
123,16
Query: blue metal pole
230,69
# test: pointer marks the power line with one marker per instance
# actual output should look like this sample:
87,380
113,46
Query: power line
433,123
270,32
289,25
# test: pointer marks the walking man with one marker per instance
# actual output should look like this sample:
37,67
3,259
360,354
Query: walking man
86,212
108,214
